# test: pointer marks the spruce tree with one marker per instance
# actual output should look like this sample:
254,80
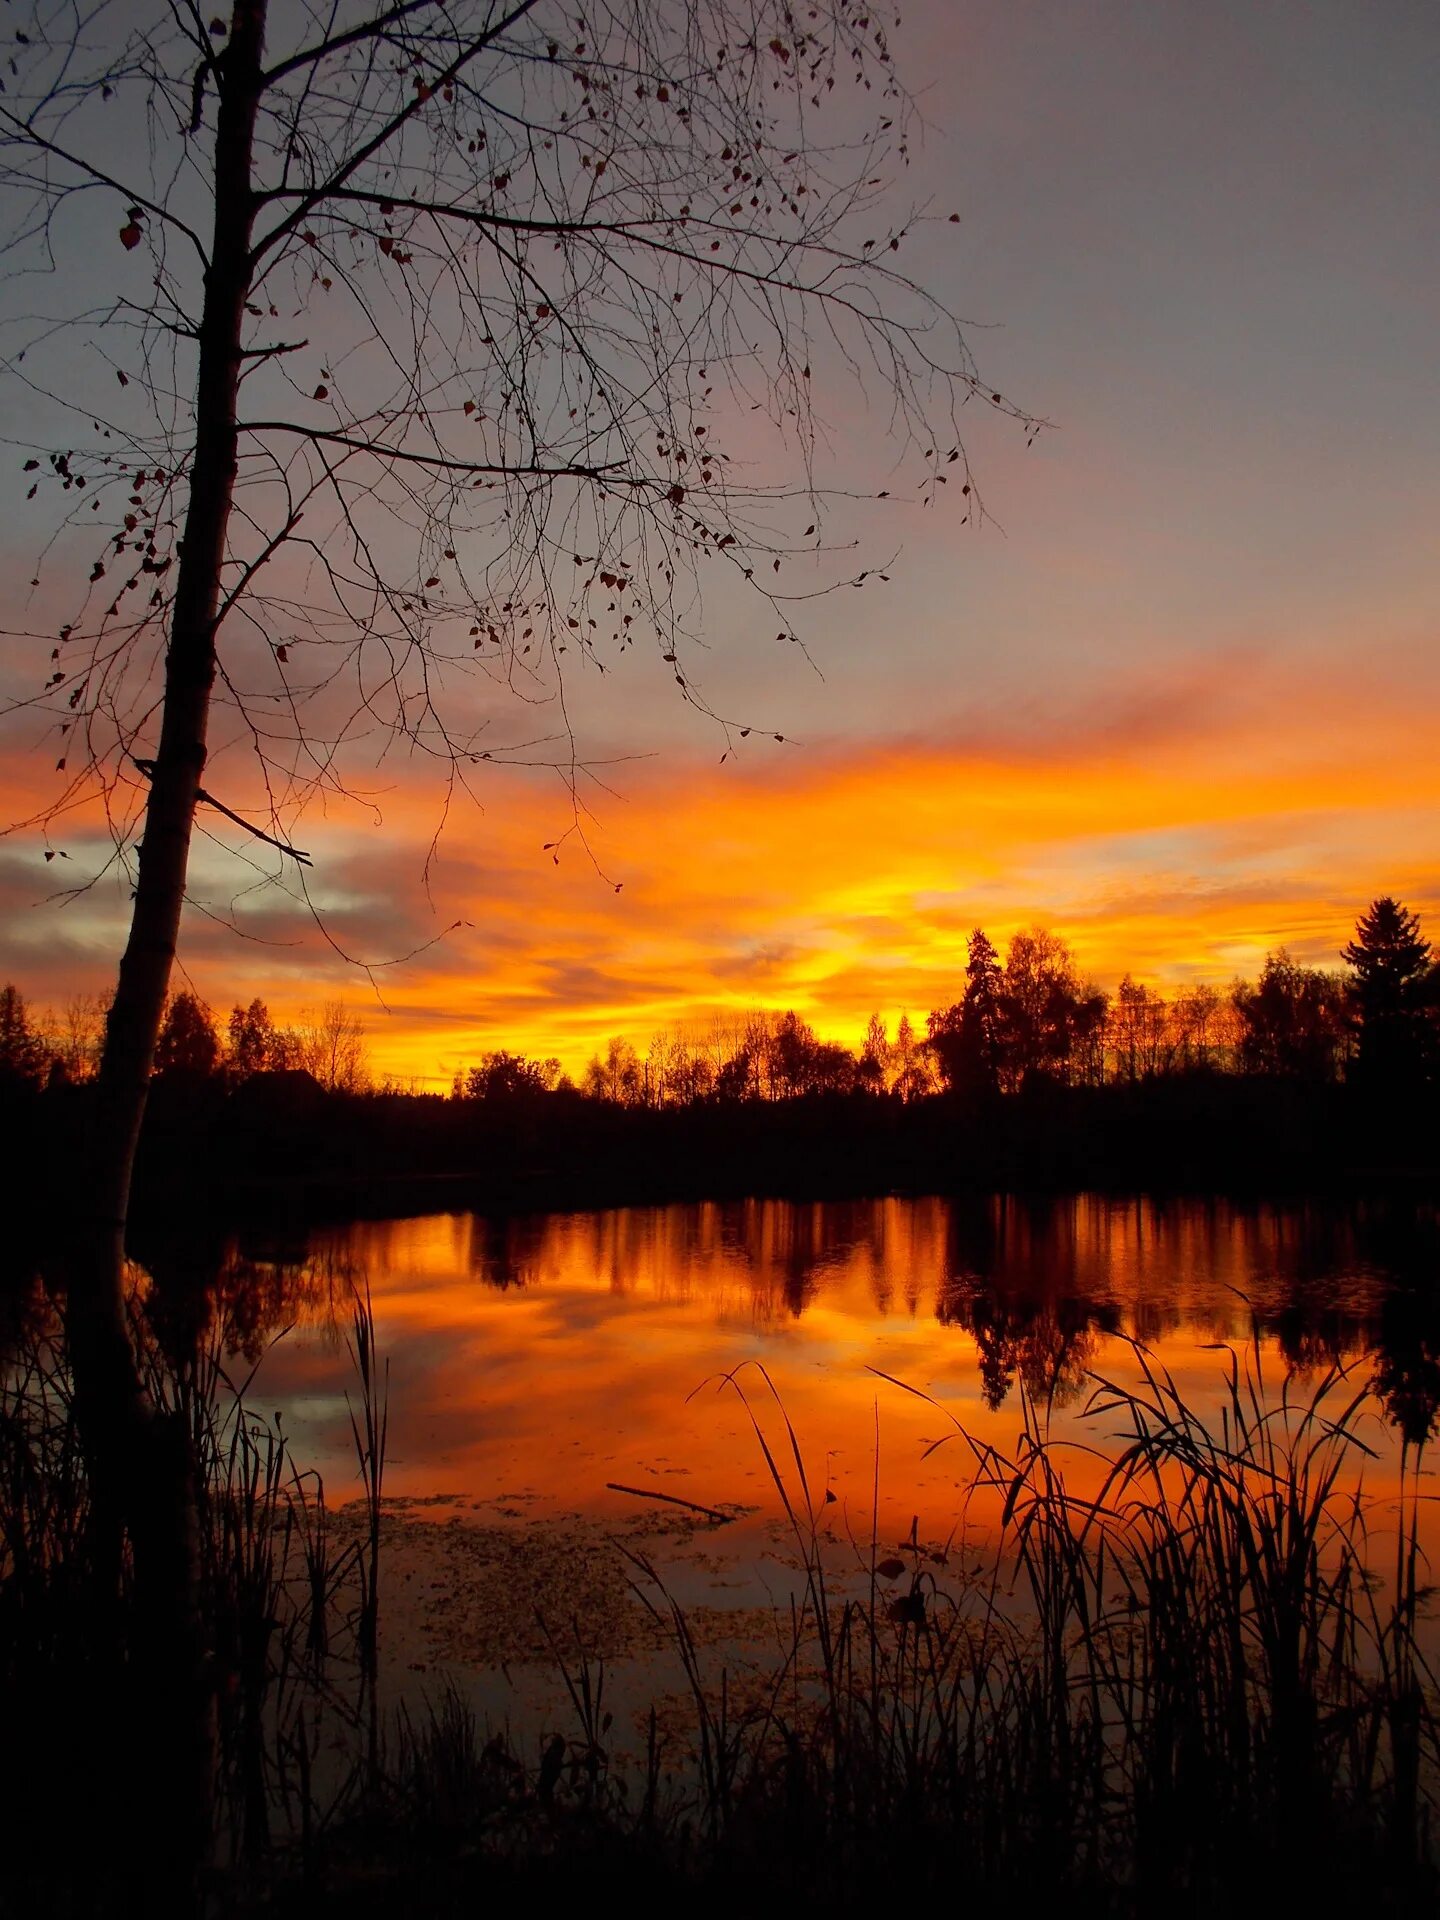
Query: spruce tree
1393,995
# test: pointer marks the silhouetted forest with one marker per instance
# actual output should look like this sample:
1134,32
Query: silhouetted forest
1032,1076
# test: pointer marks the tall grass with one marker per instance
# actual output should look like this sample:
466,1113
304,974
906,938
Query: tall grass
1184,1673
286,1651
1186,1670
369,1429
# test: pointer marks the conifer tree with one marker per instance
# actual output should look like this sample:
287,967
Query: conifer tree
1393,996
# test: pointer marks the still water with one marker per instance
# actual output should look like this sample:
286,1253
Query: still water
538,1364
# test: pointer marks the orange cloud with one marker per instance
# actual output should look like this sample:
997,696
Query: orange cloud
1179,832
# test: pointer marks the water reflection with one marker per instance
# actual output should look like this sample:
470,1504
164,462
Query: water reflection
552,1353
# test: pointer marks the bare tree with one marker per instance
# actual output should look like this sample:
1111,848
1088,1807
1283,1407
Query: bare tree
454,347
330,1044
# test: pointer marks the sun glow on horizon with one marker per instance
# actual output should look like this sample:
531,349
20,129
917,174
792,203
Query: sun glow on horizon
835,881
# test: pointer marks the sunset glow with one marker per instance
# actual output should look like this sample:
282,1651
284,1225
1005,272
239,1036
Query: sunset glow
837,880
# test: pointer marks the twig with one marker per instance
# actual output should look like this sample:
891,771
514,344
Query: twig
674,1500
147,767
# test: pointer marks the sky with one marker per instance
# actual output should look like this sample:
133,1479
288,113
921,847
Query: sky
1176,697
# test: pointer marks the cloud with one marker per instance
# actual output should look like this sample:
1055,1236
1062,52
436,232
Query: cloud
1178,826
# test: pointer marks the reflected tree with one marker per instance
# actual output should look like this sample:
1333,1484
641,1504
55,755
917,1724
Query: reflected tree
1406,1379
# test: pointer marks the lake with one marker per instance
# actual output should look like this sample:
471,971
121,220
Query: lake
560,1382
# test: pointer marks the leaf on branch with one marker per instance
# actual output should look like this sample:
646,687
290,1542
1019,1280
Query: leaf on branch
322,392
130,236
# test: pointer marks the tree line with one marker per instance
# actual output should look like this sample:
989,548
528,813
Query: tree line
61,1049
1030,1018
1023,1020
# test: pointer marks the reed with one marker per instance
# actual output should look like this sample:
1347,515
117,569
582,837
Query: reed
369,1429
1194,1679
273,1591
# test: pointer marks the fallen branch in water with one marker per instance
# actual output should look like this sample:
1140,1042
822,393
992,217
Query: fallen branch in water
674,1500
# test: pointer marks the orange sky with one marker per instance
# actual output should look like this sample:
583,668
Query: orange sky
841,881
1181,835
